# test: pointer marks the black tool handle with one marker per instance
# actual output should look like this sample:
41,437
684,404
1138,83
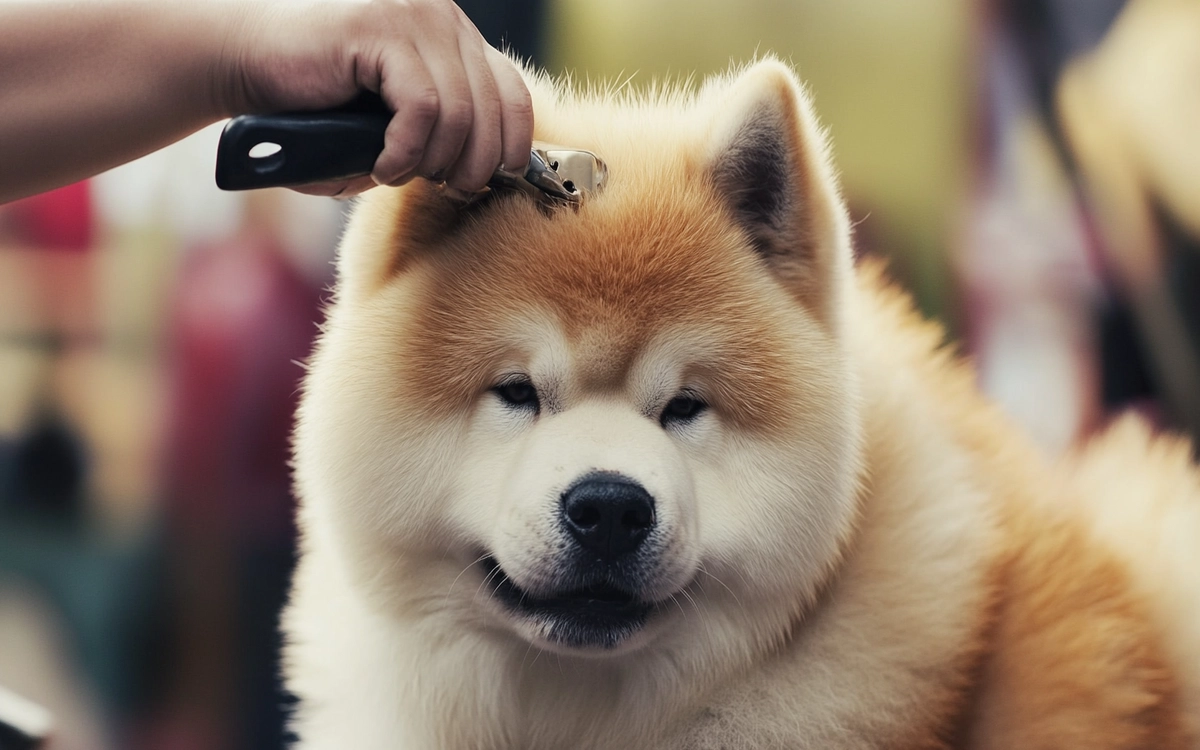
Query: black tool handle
320,146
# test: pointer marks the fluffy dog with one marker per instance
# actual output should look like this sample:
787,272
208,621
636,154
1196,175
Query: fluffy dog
669,471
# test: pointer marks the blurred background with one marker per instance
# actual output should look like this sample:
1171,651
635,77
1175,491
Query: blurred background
1030,168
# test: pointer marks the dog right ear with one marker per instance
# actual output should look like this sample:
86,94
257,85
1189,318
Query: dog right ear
399,222
768,161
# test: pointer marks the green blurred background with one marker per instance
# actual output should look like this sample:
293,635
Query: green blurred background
891,80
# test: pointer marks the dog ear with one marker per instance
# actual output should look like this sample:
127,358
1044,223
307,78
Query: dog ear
768,161
392,226
389,227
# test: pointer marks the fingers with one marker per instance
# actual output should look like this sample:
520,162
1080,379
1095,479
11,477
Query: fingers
456,113
414,96
516,111
342,189
480,153
460,107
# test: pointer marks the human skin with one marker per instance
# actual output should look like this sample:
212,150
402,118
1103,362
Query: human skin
86,85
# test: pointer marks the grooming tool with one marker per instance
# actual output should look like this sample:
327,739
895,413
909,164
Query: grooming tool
303,148
23,725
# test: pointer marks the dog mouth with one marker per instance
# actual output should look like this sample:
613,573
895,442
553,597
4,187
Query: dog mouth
599,615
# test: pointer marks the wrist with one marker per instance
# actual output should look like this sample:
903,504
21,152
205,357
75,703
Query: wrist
234,33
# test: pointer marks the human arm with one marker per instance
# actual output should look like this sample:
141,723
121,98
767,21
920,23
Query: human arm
87,85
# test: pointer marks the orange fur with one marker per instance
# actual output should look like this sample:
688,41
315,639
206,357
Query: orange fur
1073,657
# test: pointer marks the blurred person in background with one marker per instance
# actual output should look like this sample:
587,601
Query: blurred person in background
1080,261
1129,112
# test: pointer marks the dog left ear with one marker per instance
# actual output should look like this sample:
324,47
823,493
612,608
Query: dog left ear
768,160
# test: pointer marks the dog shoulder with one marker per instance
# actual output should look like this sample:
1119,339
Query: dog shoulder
1076,659
1080,653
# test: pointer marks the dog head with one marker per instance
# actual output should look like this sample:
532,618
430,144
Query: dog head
601,429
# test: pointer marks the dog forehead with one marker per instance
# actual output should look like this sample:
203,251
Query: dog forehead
622,279
628,262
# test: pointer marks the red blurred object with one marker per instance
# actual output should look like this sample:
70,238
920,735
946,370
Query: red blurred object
243,317
61,219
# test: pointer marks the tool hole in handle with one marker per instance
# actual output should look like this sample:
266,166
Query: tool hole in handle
265,157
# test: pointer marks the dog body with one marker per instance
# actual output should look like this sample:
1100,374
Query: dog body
669,472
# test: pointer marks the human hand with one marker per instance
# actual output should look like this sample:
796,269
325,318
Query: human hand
460,107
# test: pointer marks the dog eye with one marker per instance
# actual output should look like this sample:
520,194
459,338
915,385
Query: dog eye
518,393
682,409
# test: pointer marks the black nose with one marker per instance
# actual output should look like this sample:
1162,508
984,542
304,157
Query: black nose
608,514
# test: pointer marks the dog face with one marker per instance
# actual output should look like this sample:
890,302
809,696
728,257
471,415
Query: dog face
602,429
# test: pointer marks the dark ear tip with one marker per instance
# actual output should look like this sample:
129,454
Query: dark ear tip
755,176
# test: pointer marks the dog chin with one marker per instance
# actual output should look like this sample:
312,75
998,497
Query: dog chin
599,620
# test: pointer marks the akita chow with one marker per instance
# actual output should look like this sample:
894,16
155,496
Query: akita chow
668,471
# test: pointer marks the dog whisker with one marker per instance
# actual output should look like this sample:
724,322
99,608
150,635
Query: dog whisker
718,580
700,614
682,611
526,656
486,579
472,564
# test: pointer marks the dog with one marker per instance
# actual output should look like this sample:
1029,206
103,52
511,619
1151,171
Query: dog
672,471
